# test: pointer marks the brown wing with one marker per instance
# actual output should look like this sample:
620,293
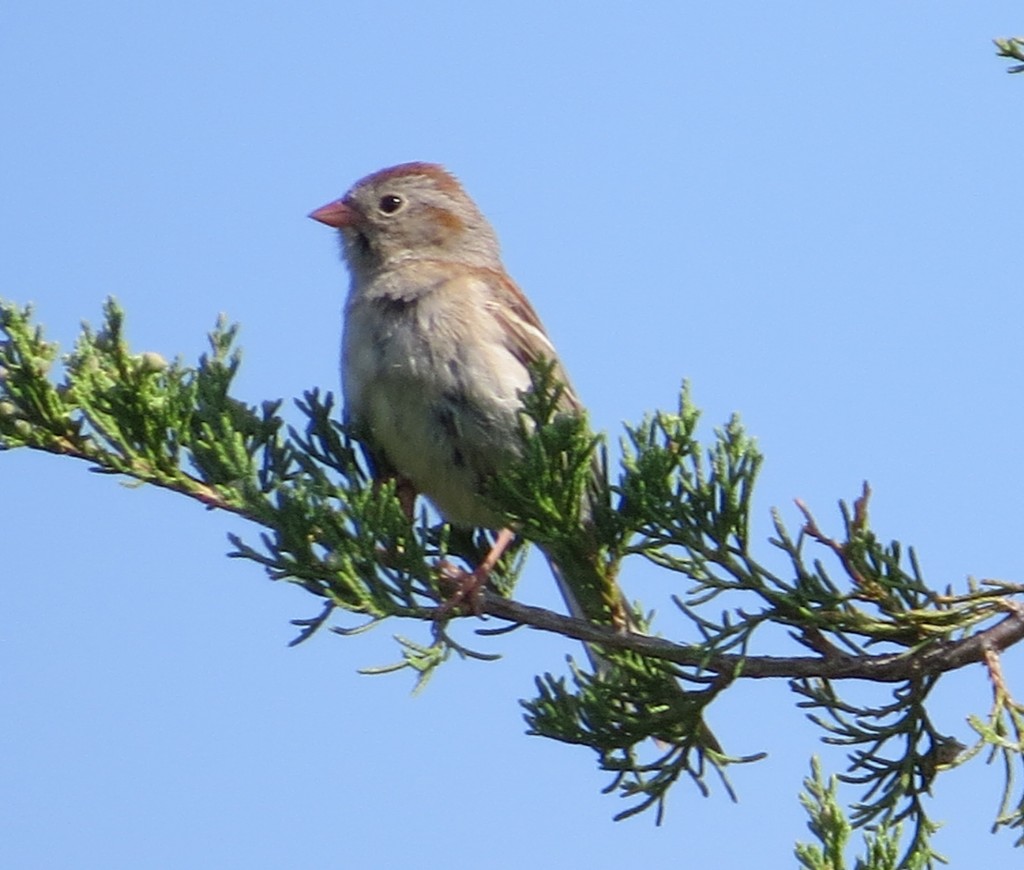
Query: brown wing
527,340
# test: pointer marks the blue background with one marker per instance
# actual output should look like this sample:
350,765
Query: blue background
809,210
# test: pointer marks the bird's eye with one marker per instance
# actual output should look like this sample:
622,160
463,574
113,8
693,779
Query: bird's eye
390,203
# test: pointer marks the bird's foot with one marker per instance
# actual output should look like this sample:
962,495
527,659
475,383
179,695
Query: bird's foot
464,589
467,587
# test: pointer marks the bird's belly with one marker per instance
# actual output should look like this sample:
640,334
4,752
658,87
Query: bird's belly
441,408
420,439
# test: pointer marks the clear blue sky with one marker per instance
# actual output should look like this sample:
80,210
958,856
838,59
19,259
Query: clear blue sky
809,210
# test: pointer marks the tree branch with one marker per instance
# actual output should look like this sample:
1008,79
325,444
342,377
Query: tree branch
933,658
683,506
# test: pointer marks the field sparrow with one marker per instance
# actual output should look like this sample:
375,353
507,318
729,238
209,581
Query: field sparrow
435,356
436,344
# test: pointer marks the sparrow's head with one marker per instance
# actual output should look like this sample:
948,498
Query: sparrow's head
414,211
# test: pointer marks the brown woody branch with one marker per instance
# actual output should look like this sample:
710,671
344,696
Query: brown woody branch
934,658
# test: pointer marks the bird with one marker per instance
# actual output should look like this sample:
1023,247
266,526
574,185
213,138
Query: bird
437,349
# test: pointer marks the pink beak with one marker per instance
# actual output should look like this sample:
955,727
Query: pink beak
335,214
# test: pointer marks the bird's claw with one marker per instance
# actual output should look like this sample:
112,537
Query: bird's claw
464,589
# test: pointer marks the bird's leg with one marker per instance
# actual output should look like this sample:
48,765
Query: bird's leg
469,585
406,494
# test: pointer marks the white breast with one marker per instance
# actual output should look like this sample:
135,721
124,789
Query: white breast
433,385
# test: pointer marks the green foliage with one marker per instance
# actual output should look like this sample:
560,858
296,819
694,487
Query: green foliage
1012,48
896,785
854,606
327,528
601,711
832,829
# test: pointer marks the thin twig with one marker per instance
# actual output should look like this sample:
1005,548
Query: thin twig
811,528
